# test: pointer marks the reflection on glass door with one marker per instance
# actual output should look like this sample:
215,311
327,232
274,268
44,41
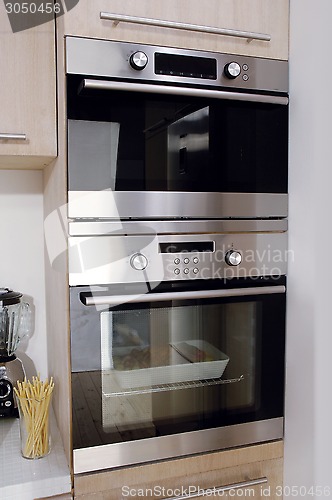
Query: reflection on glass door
163,367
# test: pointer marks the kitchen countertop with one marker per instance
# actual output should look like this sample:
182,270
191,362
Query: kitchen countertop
25,479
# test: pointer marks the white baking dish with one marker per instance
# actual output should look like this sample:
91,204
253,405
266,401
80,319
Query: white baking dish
184,365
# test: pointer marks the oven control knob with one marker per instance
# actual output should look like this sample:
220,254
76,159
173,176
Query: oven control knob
138,60
233,258
138,261
232,70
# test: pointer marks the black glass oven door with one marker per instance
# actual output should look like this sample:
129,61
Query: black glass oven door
160,367
129,141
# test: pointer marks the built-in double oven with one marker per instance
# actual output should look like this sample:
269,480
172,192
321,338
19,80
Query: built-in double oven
177,205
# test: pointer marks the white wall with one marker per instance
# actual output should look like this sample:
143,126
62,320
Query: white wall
22,254
308,439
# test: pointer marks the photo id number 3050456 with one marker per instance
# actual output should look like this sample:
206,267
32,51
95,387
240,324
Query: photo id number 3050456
33,8
299,491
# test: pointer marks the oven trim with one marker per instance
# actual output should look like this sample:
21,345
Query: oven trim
178,445
203,226
110,204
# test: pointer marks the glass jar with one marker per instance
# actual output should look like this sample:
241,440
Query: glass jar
34,426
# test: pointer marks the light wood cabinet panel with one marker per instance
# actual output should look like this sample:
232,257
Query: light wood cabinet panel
56,272
66,496
265,16
262,16
203,472
27,98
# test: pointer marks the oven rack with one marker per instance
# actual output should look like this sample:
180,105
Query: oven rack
174,386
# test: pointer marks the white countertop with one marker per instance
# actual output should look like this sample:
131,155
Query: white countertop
25,479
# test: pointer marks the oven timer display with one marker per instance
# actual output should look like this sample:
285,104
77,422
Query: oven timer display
187,247
185,66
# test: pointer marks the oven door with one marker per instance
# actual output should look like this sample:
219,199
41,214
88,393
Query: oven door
154,154
187,368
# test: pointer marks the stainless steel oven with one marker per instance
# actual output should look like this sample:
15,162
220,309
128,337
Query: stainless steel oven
157,132
177,205
177,337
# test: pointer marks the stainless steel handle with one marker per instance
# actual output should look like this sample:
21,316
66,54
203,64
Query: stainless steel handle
117,18
14,137
220,489
165,89
112,300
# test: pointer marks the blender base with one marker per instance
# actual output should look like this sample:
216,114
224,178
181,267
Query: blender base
11,372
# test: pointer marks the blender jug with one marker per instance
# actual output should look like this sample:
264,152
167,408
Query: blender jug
14,324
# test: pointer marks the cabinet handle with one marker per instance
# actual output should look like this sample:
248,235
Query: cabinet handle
117,18
221,489
14,137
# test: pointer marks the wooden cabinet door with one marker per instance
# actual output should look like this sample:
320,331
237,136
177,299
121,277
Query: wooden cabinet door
259,16
259,467
27,97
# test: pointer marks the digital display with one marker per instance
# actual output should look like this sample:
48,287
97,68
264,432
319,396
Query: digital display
187,246
187,66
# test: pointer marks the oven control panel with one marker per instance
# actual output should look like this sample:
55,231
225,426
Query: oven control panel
106,259
194,266
186,266
166,65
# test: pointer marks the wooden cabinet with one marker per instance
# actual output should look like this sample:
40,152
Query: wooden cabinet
187,475
27,98
66,496
271,17
259,16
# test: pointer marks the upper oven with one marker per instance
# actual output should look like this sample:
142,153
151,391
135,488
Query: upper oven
157,133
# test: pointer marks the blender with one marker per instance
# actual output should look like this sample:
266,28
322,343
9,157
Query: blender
13,327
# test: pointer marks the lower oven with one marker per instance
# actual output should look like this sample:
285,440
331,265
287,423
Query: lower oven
187,354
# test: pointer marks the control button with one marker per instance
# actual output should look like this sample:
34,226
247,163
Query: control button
186,260
186,270
138,60
5,389
138,262
245,78
245,67
176,261
233,258
232,70
8,403
176,270
195,270
195,260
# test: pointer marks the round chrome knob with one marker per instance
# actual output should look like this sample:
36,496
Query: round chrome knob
232,70
233,258
138,60
138,262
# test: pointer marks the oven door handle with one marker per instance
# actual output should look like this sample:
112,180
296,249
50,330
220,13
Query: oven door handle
111,300
186,91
